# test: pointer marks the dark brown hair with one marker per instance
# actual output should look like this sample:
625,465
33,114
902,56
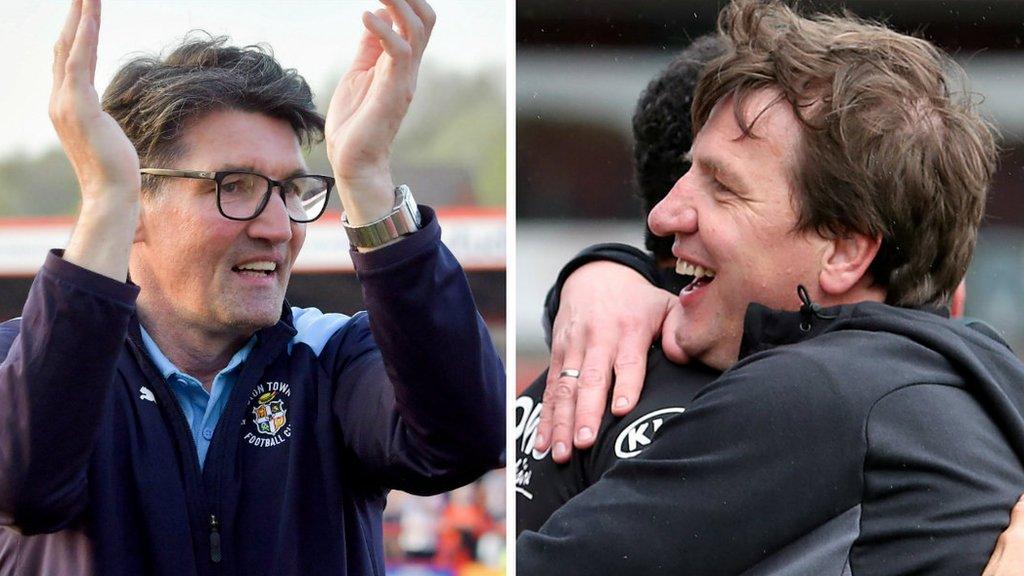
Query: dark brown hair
893,145
153,99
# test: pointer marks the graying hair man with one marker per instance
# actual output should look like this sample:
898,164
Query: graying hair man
190,421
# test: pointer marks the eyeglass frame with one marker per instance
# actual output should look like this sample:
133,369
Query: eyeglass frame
218,177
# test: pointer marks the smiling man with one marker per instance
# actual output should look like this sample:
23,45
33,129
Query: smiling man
190,421
837,183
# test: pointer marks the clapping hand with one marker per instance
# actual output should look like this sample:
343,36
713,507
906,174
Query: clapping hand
369,103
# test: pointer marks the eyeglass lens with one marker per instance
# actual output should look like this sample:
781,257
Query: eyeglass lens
242,194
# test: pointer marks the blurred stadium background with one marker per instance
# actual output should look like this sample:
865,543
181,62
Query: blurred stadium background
580,67
451,151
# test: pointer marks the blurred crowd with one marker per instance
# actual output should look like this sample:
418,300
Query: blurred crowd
460,533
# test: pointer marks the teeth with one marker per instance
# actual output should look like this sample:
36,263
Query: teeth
262,266
684,268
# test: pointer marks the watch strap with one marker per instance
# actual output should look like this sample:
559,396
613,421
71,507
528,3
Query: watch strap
403,219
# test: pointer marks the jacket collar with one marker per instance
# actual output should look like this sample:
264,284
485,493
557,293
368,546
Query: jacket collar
765,328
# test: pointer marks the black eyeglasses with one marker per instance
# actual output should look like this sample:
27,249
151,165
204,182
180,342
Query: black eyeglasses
243,195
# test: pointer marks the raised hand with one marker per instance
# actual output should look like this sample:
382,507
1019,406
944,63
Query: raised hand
369,103
103,158
105,162
607,320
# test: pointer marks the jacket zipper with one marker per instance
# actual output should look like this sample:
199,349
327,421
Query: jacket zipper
214,540
179,414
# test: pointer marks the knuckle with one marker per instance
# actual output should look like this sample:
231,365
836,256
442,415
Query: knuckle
547,398
403,50
560,430
630,324
627,361
429,16
545,418
563,390
593,378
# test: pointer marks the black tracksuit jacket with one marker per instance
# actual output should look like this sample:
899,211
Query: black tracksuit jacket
881,441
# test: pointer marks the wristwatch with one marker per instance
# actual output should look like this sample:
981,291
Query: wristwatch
403,219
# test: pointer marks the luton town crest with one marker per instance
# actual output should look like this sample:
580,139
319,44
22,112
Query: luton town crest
268,421
269,414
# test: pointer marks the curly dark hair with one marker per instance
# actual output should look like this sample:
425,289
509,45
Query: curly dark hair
153,99
662,129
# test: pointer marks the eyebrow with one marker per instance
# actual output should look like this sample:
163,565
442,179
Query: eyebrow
721,170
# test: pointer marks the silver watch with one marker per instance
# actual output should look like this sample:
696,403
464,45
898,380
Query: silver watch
403,219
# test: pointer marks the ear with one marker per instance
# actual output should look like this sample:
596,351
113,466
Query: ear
845,262
956,308
140,227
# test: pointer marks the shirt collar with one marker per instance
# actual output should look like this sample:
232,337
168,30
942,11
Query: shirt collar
168,369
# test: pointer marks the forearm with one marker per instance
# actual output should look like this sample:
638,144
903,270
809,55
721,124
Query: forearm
103,235
447,377
55,378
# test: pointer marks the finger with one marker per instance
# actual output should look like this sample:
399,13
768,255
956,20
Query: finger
410,26
630,367
591,395
369,49
426,14
562,416
64,41
555,426
559,344
541,439
393,44
80,66
94,8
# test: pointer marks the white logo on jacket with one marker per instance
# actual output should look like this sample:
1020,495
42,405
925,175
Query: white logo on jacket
640,433
146,394
527,420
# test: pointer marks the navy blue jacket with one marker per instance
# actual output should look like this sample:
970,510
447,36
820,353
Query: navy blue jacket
99,474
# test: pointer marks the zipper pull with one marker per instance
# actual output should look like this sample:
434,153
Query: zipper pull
214,540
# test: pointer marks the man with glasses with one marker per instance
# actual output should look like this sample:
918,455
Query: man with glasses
189,421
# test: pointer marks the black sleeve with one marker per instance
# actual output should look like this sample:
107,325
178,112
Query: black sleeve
706,498
542,486
623,254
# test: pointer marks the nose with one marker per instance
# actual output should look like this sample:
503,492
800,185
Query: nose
676,213
273,223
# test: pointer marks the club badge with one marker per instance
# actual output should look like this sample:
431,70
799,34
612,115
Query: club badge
268,415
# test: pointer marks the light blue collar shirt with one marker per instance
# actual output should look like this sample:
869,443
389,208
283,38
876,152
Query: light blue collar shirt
202,409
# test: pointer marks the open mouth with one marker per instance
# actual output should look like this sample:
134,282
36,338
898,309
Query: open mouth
258,269
695,275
